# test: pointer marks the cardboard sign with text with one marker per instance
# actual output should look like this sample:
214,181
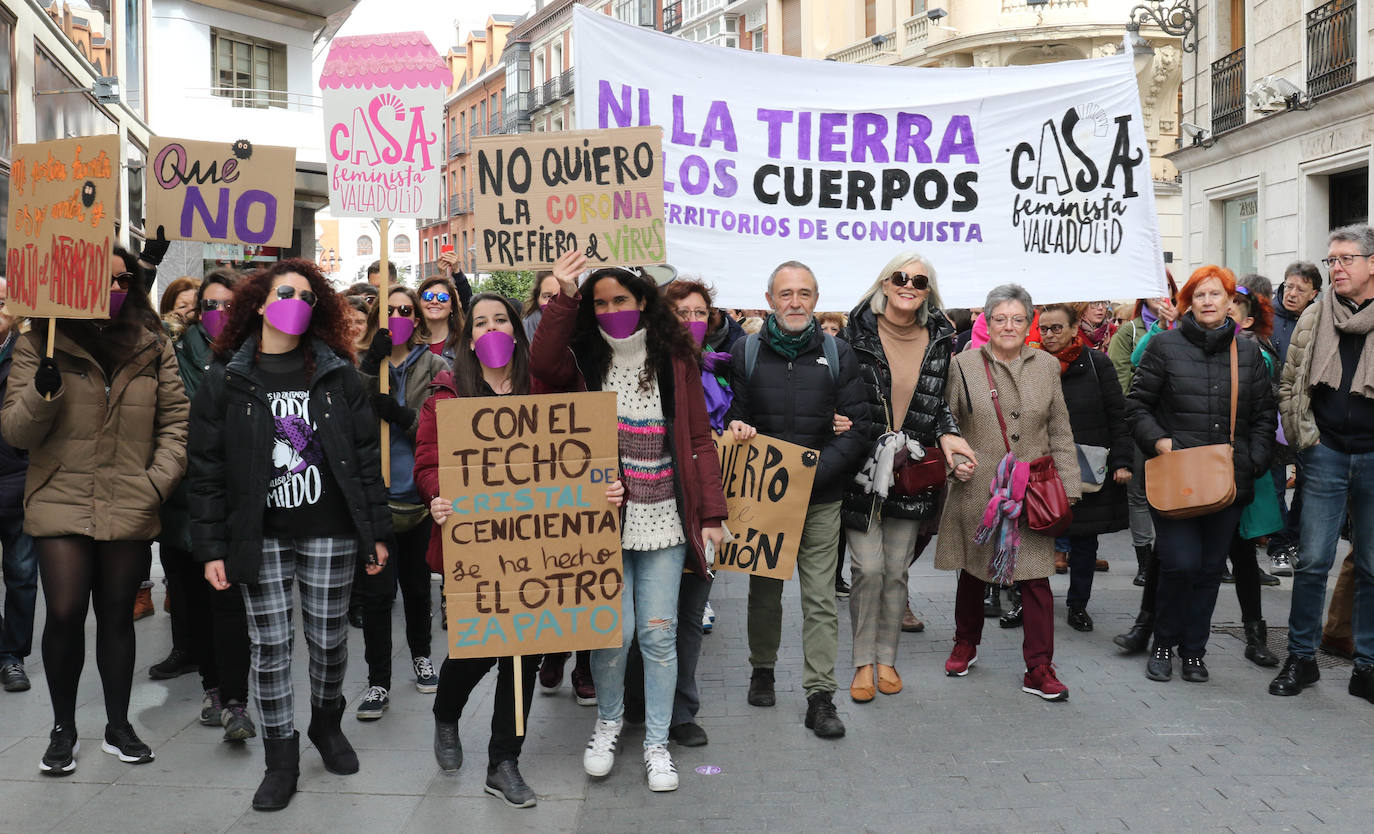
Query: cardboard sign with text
62,206
539,195
532,551
767,486
221,192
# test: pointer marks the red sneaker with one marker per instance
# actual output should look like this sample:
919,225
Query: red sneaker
551,671
1043,682
965,654
583,688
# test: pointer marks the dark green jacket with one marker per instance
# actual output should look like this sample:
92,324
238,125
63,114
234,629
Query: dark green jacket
193,360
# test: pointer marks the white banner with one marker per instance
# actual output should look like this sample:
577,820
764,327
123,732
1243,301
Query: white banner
1038,175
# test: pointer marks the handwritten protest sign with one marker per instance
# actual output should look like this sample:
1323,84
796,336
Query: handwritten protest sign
222,192
767,490
532,551
383,118
61,216
542,194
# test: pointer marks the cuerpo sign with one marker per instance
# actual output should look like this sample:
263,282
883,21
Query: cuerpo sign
1038,175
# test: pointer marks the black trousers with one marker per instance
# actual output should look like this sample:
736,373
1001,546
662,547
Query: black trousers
1192,554
405,567
1244,568
210,625
692,597
457,679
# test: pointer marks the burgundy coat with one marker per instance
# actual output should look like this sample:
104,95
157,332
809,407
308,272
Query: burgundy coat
554,368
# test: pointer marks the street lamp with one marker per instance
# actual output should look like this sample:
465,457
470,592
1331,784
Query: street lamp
1178,20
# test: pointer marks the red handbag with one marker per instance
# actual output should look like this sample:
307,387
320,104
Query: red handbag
1046,506
912,477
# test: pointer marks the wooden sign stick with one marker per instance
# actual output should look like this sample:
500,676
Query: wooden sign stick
384,372
52,334
518,662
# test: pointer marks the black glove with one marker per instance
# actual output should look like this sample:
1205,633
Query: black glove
155,249
377,352
47,379
391,411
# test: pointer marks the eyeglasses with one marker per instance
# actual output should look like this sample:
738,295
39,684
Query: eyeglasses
1099,303
431,295
404,310
1002,321
123,279
1053,329
1345,260
215,304
901,279
288,291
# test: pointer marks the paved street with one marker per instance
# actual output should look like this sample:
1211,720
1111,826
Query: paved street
946,754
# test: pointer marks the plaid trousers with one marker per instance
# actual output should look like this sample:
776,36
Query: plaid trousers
324,569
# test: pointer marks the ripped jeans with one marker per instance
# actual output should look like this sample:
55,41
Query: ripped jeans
648,609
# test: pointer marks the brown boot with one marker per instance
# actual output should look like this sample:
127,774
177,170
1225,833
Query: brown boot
1061,562
910,622
143,604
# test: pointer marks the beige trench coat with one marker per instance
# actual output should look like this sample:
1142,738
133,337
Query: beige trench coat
1037,423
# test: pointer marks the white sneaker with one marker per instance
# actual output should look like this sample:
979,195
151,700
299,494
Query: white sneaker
1282,563
600,754
658,764
708,618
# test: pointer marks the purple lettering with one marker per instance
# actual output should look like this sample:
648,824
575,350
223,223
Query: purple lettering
832,137
775,119
870,129
958,139
719,127
907,143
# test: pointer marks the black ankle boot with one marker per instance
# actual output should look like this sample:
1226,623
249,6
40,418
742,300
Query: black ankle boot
1012,618
1143,554
328,738
1257,644
992,601
1137,638
283,757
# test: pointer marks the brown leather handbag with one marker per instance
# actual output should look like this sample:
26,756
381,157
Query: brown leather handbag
1187,483
1047,509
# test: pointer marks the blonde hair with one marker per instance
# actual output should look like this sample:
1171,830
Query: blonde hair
877,301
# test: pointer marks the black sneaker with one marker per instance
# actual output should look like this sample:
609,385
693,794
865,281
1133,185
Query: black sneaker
1160,666
125,743
355,616
1194,670
60,757
761,692
1226,577
375,702
1267,579
687,734
174,665
1079,619
841,588
448,746
426,681
505,781
13,678
1297,674
821,717
1361,683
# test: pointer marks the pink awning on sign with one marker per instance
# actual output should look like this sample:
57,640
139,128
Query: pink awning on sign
394,59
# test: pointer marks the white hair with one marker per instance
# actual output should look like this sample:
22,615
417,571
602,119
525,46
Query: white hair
877,300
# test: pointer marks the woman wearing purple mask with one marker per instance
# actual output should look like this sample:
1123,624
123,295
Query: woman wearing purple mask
412,366
104,421
286,489
618,334
209,627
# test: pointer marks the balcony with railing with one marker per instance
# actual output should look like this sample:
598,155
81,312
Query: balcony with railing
1228,92
905,43
565,82
550,90
494,124
672,17
1331,40
456,145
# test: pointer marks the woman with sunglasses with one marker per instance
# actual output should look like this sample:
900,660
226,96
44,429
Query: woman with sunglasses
443,315
209,627
104,421
412,367
903,343
286,488
618,334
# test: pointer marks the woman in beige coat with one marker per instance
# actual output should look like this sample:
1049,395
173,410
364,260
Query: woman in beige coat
1032,402
104,421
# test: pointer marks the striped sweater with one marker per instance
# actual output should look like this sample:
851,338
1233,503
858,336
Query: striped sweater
651,513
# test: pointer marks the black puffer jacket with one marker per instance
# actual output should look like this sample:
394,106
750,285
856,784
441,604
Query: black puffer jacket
1097,412
1182,390
927,419
796,401
231,460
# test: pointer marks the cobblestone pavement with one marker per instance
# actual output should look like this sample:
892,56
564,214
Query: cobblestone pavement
946,754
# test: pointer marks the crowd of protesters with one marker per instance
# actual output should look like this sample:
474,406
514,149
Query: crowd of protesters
238,426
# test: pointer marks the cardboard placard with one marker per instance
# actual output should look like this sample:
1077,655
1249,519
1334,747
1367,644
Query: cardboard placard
539,195
61,214
767,486
532,551
221,192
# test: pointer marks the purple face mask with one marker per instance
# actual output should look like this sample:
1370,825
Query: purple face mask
494,348
698,330
116,302
213,321
289,315
619,325
401,329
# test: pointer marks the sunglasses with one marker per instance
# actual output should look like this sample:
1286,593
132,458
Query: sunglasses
404,310
288,291
215,304
917,282
123,279
431,295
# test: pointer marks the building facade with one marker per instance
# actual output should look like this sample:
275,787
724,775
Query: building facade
1278,105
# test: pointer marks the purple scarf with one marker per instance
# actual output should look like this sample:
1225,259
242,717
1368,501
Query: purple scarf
1003,511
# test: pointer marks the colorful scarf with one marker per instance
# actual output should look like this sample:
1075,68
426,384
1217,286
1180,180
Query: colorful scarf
1096,337
788,345
1004,510
1070,353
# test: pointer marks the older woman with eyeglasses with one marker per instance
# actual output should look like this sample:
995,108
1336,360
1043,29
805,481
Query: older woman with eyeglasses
990,541
904,344
1096,324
